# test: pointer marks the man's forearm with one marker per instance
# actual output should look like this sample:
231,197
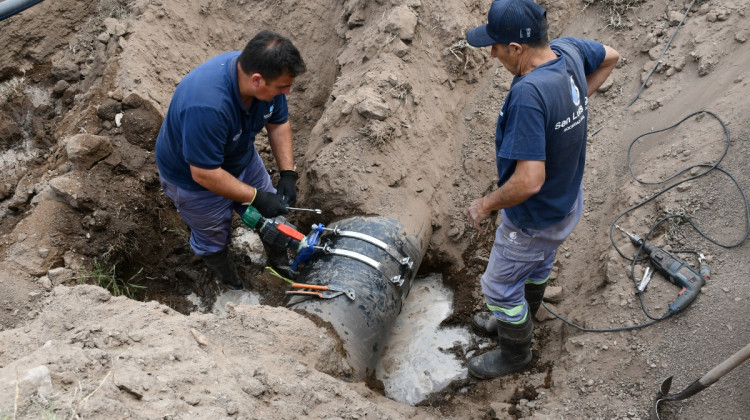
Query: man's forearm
526,181
224,184
598,76
509,194
280,139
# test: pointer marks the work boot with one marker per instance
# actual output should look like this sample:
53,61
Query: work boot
485,323
278,259
512,354
222,265
534,293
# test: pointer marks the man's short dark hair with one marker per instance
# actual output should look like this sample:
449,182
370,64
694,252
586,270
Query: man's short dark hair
539,43
271,55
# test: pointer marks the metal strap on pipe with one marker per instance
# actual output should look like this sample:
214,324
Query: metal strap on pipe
405,261
397,279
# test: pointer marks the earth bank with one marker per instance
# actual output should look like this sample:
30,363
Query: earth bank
395,117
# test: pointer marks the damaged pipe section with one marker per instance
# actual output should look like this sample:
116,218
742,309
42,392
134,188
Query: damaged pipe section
376,258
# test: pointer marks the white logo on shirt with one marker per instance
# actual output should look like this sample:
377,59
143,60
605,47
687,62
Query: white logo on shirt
577,116
237,136
270,112
575,92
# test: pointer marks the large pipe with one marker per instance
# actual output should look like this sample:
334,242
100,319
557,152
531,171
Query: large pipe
9,8
376,258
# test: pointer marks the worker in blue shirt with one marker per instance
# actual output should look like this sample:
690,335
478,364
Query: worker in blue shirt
540,146
205,152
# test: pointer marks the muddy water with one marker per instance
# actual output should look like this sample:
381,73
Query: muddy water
416,359
237,297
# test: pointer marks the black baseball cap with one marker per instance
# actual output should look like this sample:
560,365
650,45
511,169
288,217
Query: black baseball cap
520,21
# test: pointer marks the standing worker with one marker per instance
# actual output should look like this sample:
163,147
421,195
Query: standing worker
205,151
540,147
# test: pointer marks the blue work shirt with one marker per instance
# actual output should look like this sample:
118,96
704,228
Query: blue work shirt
544,118
208,126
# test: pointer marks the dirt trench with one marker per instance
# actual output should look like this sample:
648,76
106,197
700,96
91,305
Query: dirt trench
394,117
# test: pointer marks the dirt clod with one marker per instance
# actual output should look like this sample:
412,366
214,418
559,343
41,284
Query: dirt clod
395,116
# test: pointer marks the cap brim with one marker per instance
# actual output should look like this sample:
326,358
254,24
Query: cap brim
478,37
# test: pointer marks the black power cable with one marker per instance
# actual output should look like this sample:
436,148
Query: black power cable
658,61
634,260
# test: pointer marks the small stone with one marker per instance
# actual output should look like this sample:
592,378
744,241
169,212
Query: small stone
675,18
233,408
45,282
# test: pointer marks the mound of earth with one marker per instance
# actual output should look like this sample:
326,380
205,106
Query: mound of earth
395,116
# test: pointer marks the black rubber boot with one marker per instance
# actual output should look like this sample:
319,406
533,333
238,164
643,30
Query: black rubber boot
534,294
512,354
278,259
222,265
485,323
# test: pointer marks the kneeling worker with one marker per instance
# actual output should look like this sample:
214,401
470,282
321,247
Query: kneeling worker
205,151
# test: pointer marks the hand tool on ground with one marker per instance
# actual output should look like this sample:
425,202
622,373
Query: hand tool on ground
323,291
646,278
675,270
704,382
316,211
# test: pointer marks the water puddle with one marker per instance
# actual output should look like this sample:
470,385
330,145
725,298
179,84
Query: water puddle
237,297
418,358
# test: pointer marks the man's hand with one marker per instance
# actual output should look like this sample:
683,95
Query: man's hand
477,213
287,187
526,181
269,204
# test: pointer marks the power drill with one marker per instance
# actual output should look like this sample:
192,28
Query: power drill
273,231
676,271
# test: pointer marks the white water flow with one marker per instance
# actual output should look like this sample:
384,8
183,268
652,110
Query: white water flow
415,361
237,297
418,358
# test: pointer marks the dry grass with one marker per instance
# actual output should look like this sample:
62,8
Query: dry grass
11,88
615,9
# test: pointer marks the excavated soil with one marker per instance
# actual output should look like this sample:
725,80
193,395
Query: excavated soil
395,116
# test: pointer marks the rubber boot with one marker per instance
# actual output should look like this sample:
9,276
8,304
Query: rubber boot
485,323
278,259
512,354
222,265
534,293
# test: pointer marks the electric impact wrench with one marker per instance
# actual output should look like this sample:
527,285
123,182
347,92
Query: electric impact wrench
278,232
676,271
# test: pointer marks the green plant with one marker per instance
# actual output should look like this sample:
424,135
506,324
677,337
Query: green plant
104,275
178,229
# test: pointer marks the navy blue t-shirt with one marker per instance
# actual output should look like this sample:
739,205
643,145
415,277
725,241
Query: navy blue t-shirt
208,126
544,117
